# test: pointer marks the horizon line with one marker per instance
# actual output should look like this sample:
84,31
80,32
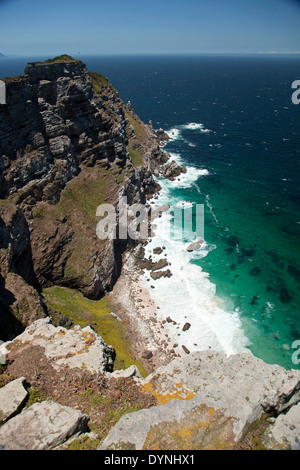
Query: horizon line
155,53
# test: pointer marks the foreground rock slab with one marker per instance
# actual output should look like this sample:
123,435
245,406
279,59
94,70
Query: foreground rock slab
42,426
12,399
177,425
208,400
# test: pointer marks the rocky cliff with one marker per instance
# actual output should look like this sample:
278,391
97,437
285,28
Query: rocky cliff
67,144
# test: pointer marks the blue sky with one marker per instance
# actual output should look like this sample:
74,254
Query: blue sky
42,27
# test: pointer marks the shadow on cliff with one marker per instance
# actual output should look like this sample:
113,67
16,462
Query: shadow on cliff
10,326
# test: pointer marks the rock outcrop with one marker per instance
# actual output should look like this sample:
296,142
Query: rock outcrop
62,371
172,170
76,347
53,123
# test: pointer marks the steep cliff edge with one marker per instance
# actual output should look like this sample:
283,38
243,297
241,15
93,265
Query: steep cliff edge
67,144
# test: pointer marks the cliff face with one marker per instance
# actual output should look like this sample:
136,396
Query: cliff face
67,144
53,123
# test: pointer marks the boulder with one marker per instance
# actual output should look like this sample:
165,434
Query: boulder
46,425
131,371
156,274
12,398
195,245
162,135
157,211
162,263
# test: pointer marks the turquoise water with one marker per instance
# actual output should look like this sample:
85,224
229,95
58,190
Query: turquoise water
242,288
252,223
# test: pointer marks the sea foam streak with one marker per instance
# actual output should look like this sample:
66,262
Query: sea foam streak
176,132
189,296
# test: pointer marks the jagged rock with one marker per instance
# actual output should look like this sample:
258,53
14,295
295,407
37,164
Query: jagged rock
12,398
162,135
77,347
20,303
172,170
158,274
210,400
46,425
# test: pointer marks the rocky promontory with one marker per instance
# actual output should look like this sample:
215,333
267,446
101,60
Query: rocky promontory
67,144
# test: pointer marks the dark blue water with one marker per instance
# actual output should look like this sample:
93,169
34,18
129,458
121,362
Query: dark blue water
251,193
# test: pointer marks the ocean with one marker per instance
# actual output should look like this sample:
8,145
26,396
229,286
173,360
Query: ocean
232,122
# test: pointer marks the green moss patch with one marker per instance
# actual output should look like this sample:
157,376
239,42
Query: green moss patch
99,82
136,155
97,313
139,130
64,59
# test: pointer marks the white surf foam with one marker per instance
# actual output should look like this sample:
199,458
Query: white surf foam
189,296
194,126
174,133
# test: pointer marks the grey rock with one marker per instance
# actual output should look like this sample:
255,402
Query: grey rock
237,390
177,425
285,432
156,211
257,387
12,398
46,425
195,245
172,170
131,371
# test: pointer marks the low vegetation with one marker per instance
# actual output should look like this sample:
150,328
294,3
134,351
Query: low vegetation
98,314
